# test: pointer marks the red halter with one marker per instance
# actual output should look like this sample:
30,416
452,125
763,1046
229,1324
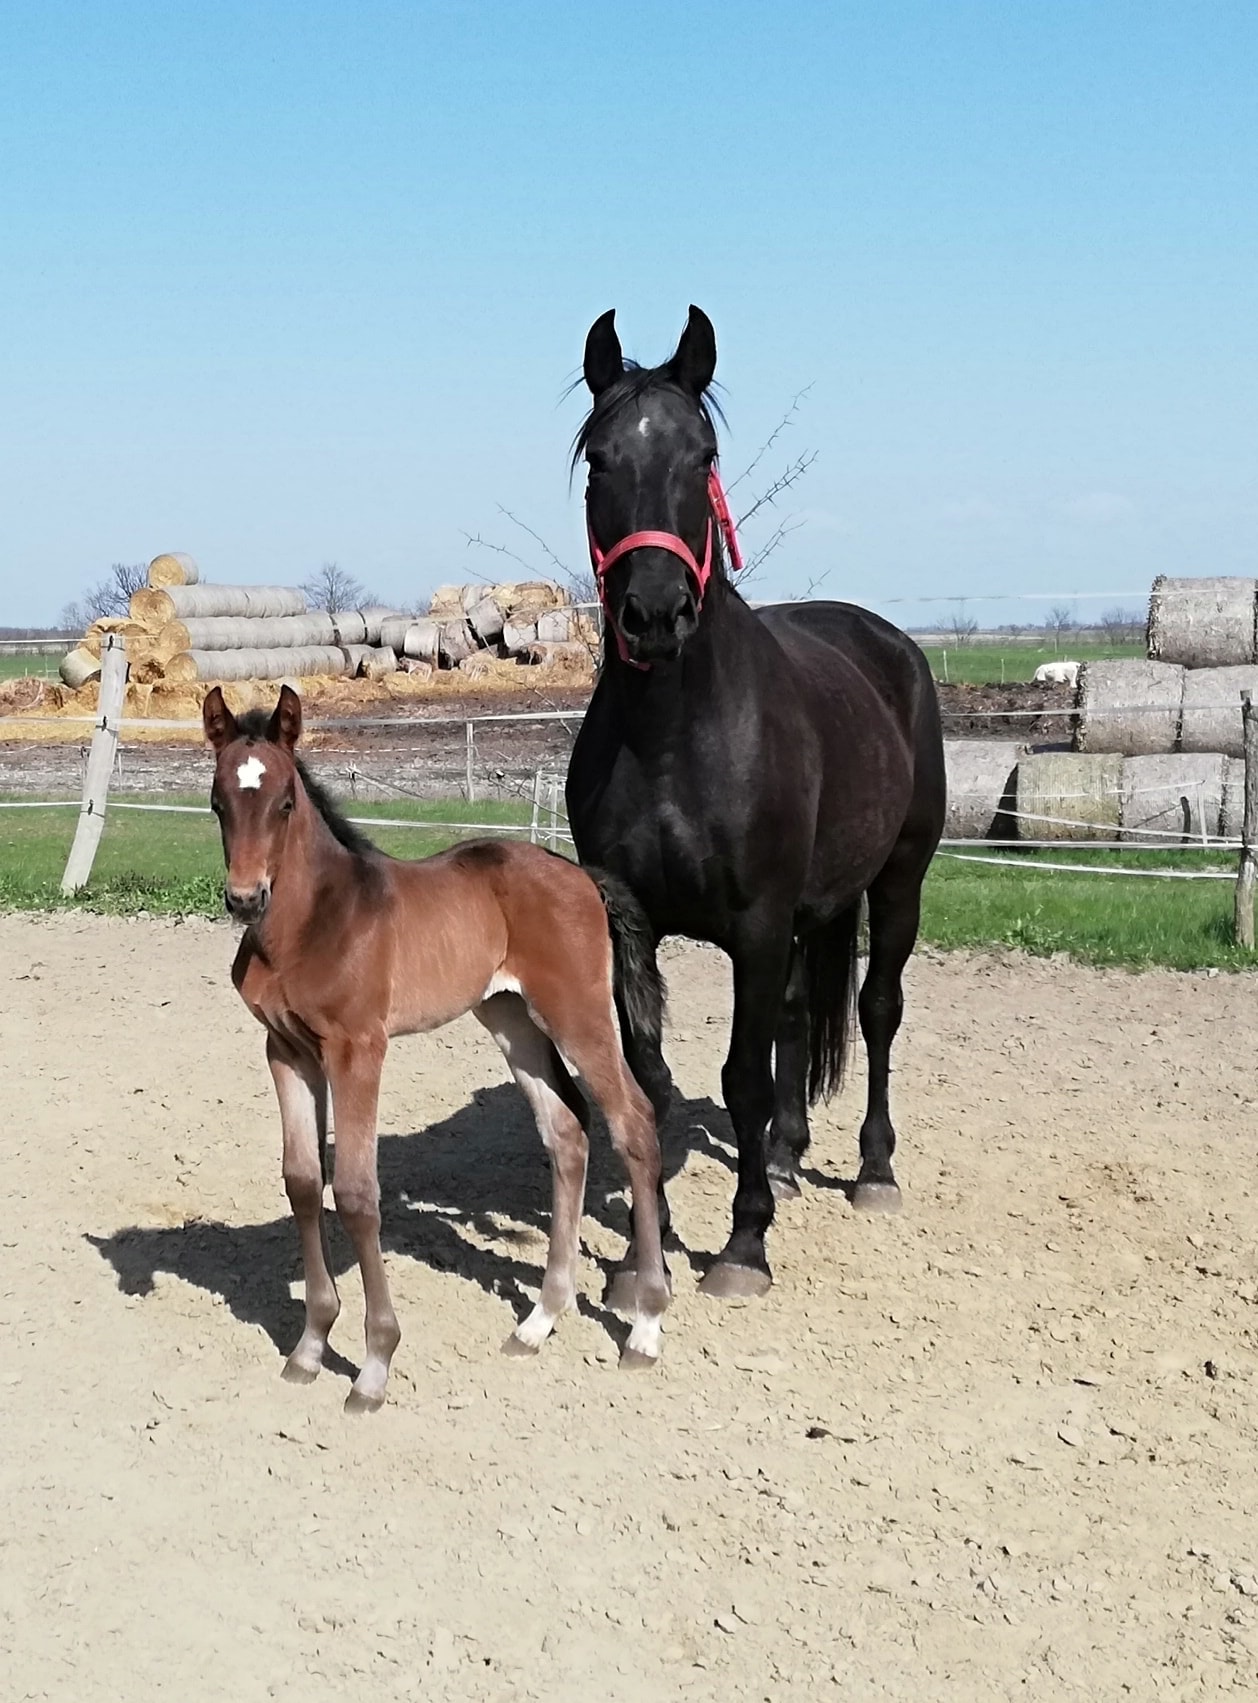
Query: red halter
603,561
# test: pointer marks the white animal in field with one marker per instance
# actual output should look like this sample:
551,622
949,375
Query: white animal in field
1057,674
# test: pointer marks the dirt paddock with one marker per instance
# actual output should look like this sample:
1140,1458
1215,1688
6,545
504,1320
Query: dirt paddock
1003,1446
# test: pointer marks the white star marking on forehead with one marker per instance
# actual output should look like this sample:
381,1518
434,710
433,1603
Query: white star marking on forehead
644,425
250,774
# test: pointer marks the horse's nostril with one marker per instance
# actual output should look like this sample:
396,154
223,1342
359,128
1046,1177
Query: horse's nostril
635,618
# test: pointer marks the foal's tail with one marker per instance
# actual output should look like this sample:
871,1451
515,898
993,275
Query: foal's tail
639,986
829,954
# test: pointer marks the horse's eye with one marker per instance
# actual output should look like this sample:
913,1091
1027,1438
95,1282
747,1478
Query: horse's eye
286,808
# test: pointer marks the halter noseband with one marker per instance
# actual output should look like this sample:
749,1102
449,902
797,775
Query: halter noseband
604,561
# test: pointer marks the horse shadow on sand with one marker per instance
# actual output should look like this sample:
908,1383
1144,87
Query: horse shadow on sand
477,1177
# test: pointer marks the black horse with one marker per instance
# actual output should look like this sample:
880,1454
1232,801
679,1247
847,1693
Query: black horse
750,775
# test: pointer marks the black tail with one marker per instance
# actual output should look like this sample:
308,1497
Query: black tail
830,966
639,985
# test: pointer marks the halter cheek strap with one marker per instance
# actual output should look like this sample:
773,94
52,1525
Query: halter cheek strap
604,561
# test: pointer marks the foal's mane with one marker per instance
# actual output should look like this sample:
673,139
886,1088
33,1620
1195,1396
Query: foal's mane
254,725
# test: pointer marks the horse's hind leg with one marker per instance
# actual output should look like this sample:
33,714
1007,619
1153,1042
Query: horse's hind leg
560,1113
894,912
303,1095
788,1133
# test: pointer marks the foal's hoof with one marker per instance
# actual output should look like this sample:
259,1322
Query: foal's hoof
877,1197
514,1349
785,1185
728,1282
634,1360
621,1294
295,1372
358,1401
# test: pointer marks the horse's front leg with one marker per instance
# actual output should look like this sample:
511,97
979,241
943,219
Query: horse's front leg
761,962
354,1066
302,1090
650,1071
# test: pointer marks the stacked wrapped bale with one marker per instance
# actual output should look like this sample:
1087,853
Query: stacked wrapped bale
1204,623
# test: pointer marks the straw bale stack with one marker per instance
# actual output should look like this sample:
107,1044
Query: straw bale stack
154,608
1204,623
982,783
1211,719
1061,795
1172,794
290,663
275,632
1129,706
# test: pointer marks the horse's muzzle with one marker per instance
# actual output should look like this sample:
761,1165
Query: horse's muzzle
248,907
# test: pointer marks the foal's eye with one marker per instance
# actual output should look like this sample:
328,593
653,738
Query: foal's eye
286,808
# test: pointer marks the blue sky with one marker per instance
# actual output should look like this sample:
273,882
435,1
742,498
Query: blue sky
291,283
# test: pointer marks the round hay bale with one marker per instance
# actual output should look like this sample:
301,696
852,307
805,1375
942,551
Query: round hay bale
420,641
1129,707
555,626
371,662
485,619
1174,795
373,618
136,699
174,568
455,641
517,635
241,632
192,665
194,602
982,781
80,665
1212,708
1061,795
573,658
1204,623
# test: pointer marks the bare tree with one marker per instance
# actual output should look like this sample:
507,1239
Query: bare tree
334,588
962,625
1059,621
108,597
1121,626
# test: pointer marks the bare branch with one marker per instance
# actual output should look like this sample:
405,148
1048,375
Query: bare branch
537,538
773,436
498,549
778,536
790,476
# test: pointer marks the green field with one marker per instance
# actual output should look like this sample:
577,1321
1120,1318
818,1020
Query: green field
982,663
21,667
172,864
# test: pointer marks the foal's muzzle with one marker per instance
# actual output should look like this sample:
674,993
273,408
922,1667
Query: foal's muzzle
249,906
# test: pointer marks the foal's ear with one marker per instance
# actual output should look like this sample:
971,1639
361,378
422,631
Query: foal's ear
217,720
695,361
604,360
284,727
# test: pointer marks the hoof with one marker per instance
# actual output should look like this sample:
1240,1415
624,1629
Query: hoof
514,1349
296,1373
357,1401
633,1360
735,1282
785,1185
621,1294
877,1197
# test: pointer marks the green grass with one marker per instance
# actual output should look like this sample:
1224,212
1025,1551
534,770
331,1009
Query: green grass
980,663
23,667
172,865
1100,919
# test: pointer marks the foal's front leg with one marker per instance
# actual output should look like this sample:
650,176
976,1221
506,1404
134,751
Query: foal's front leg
302,1089
354,1066
761,960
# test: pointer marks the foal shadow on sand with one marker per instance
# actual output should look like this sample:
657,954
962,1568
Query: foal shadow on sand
477,1176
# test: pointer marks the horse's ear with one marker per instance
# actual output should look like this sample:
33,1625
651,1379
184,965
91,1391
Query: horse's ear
695,361
218,721
284,727
604,360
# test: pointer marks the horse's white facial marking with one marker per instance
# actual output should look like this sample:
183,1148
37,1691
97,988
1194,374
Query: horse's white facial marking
644,426
250,773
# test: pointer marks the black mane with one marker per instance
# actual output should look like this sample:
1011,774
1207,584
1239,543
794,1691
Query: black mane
636,382
255,725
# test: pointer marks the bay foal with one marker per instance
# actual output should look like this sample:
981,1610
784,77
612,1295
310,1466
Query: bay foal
345,947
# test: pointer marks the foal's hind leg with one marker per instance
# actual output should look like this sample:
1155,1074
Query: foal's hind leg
560,1113
788,1133
303,1095
894,912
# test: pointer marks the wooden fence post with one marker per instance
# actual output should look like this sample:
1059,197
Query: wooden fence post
1247,874
469,761
100,765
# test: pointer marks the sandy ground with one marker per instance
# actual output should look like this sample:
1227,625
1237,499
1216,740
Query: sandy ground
1004,1446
